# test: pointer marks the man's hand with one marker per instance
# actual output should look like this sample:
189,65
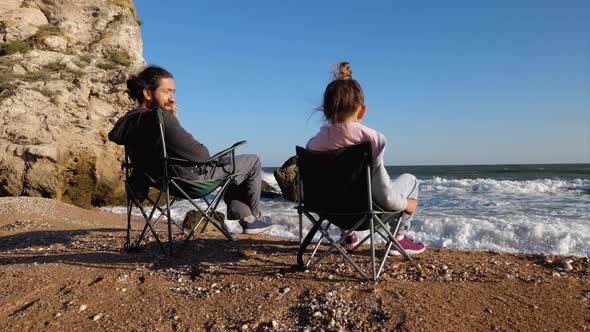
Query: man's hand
412,205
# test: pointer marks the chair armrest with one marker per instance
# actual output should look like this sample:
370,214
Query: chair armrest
224,152
180,161
185,162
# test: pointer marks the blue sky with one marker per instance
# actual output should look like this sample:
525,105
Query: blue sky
447,82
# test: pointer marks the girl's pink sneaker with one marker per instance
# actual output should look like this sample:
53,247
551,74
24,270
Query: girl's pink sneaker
409,246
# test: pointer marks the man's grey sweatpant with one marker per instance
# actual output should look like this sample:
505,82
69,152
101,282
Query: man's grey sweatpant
243,193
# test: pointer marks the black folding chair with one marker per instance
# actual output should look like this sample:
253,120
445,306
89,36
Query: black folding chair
147,164
335,187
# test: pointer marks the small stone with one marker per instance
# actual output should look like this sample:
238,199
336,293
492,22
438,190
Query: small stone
332,323
123,290
556,274
285,290
82,308
244,327
96,317
217,291
567,266
176,317
274,324
57,315
246,252
488,311
317,314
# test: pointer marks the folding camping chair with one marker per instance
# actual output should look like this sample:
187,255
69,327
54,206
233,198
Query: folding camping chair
147,164
336,187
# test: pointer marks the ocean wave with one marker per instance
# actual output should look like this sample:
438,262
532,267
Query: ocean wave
504,186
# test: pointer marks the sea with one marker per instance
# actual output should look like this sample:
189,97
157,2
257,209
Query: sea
501,208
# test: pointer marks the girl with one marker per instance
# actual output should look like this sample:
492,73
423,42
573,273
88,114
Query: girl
344,108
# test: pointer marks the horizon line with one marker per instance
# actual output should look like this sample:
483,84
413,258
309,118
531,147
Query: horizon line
501,164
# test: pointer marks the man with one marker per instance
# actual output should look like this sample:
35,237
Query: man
154,88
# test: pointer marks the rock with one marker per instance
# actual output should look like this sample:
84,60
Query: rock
244,327
96,317
286,177
274,324
56,43
21,23
82,307
247,253
61,106
269,191
12,172
193,216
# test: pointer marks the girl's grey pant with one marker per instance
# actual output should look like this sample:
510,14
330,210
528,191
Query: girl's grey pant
407,185
243,193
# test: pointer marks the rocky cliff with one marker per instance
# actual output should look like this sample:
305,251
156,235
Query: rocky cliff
63,67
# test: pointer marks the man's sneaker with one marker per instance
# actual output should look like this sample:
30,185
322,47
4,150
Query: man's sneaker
352,240
409,246
259,225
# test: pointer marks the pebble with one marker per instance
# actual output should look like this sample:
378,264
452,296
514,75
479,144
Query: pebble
246,252
176,317
317,314
58,314
274,324
96,317
82,308
244,327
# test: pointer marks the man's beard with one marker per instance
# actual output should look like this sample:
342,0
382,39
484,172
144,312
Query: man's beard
174,110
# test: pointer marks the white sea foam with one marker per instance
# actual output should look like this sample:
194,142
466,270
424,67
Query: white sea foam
503,186
270,179
544,216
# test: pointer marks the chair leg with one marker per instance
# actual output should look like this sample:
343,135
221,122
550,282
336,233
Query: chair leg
393,240
145,227
300,225
169,216
336,245
373,248
148,224
343,252
128,240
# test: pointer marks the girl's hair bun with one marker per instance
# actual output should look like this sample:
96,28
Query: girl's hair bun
343,72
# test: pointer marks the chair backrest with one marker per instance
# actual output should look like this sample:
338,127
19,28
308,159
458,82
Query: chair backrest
336,182
141,132
144,144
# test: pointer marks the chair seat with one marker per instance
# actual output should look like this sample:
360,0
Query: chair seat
196,188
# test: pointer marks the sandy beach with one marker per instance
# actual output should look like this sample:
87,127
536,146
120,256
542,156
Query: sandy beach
63,268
